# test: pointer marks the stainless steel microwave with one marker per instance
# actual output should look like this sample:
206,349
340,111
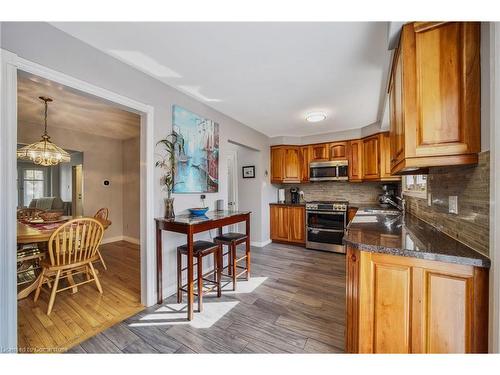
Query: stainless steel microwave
329,170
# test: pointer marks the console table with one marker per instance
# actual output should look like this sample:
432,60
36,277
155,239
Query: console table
190,225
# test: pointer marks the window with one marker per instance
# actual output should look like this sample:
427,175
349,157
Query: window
33,185
415,186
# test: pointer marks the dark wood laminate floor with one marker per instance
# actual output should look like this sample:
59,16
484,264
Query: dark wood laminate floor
298,308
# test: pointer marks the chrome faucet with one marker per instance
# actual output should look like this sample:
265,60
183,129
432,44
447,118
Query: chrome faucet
401,206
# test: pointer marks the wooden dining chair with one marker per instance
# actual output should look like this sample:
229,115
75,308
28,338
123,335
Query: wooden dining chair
102,214
71,248
28,213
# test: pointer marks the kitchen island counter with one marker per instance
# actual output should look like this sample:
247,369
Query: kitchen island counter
406,235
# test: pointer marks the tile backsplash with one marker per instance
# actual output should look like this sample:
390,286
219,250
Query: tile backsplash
365,192
471,184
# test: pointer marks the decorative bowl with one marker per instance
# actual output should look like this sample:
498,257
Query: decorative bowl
50,216
198,211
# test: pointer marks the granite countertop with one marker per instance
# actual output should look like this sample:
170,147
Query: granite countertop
287,204
373,206
188,219
406,235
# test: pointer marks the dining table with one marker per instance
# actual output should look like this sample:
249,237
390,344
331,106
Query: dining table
190,225
39,233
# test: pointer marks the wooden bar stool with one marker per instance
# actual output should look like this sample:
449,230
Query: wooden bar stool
232,240
200,250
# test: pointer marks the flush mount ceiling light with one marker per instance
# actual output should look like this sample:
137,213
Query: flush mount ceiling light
44,152
315,117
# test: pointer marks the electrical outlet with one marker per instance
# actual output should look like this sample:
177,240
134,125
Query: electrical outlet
429,199
453,204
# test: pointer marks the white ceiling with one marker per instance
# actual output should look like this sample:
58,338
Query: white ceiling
266,75
72,110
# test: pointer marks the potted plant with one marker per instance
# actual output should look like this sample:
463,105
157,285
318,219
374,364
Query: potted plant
171,143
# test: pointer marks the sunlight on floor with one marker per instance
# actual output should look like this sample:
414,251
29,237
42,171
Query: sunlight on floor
244,286
175,313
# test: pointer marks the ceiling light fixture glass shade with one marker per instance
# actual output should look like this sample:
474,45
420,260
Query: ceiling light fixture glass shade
44,152
315,117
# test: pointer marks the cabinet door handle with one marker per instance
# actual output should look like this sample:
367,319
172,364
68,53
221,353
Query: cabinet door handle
353,257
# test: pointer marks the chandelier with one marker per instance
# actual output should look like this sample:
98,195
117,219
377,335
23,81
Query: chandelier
44,152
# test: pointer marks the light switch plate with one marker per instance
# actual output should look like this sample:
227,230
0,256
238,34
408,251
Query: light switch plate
429,199
453,204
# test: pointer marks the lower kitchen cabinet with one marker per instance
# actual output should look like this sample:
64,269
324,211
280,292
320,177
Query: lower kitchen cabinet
280,223
351,212
400,304
288,223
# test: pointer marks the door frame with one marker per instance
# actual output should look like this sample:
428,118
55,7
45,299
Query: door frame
74,198
10,63
232,158
494,118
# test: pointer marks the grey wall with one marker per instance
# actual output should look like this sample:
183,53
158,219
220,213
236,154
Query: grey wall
249,190
50,47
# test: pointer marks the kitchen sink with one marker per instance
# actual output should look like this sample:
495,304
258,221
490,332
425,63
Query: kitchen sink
371,211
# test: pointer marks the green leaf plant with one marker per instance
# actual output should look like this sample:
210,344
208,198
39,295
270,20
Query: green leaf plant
172,145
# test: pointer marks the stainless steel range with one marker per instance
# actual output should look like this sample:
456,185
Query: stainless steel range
325,223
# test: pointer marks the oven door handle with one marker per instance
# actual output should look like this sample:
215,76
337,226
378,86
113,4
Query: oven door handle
338,213
317,230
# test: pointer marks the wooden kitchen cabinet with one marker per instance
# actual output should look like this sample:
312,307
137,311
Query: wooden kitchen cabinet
297,224
351,212
319,152
285,164
338,150
280,226
292,165
288,223
434,96
277,160
371,158
385,159
305,159
355,161
399,304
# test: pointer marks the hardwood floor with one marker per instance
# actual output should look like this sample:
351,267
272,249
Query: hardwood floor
78,316
299,307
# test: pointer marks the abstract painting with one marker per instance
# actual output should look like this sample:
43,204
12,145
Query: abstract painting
198,161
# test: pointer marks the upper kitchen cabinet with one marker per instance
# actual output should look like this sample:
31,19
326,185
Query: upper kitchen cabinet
434,96
371,157
356,160
320,152
277,164
338,150
305,158
285,164
385,159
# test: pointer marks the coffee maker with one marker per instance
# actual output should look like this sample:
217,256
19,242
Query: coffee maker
294,195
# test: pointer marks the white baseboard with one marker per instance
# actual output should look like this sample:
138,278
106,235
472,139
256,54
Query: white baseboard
135,241
260,244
